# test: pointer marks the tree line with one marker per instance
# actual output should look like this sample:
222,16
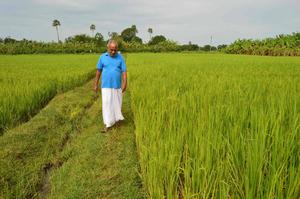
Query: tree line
281,45
96,43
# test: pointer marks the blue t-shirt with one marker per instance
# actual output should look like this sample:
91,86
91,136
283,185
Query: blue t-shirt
112,68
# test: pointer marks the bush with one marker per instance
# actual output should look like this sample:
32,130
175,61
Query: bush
282,45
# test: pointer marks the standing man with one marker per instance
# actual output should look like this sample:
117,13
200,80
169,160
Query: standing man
113,83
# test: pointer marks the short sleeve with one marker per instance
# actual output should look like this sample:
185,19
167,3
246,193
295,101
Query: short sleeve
123,64
100,63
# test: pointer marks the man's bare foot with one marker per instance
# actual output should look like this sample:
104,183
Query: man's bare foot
104,130
119,122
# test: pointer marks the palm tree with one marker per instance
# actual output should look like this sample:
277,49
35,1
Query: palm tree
56,23
150,31
133,27
93,28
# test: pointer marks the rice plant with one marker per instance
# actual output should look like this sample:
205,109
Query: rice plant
28,82
217,126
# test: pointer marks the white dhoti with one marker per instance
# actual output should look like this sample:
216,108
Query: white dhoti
111,106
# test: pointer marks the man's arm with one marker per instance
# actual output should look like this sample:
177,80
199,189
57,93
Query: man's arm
124,81
98,74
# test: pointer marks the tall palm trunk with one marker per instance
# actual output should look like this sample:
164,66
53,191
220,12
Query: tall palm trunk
57,34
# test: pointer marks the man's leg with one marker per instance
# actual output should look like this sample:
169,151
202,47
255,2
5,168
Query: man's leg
118,104
107,107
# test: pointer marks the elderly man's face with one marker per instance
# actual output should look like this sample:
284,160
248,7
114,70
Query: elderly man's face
112,49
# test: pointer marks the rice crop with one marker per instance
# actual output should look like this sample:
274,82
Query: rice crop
28,82
206,125
217,126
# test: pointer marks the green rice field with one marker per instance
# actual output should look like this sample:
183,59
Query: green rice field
217,126
203,126
28,82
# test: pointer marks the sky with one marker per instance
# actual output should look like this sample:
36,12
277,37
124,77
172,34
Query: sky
178,20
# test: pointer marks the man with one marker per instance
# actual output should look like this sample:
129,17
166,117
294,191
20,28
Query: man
113,83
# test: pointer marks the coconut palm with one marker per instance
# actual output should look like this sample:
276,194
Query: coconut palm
56,23
150,31
93,28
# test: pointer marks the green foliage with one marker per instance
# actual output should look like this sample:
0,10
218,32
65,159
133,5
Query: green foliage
55,23
157,39
82,38
222,46
189,47
34,47
208,48
150,30
92,27
113,35
137,40
99,40
282,45
9,40
129,35
128,42
165,46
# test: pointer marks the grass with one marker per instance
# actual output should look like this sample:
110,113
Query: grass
60,153
106,164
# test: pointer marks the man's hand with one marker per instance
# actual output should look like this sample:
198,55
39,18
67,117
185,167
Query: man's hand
124,81
98,74
123,89
95,88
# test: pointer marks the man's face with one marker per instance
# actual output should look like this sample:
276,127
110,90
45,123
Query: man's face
112,49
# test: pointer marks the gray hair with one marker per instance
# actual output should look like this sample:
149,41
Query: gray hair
111,41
